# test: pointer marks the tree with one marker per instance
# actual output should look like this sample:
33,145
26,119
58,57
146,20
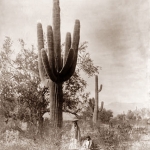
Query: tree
130,115
23,95
88,110
73,93
105,115
143,112
20,94
84,62
7,92
74,97
121,117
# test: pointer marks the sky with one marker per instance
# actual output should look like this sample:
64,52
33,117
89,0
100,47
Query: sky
117,32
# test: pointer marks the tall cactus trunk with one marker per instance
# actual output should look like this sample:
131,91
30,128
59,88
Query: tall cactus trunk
51,67
95,114
96,110
56,104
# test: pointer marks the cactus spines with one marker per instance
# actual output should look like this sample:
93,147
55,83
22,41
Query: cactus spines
52,65
95,114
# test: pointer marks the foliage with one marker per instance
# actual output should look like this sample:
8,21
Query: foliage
20,89
85,63
120,117
102,136
105,115
30,95
7,91
130,115
73,89
21,95
10,140
105,137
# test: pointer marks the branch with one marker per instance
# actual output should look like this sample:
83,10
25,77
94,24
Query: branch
45,111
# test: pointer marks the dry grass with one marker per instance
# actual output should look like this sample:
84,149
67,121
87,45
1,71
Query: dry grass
104,138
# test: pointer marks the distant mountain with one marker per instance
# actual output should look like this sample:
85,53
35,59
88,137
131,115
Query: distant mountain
119,108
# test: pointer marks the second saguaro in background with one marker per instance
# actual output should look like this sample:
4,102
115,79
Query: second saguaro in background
95,114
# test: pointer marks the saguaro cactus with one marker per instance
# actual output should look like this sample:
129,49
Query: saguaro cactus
51,64
95,114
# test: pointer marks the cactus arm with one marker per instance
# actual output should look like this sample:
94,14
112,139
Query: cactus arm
48,69
42,72
56,31
76,35
68,73
102,105
50,44
66,76
75,44
67,47
68,63
100,89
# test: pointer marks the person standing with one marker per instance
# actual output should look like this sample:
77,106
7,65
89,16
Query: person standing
75,135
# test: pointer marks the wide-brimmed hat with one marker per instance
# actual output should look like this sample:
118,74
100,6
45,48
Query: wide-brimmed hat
88,137
74,119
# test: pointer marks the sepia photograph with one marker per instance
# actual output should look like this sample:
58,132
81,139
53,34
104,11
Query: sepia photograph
74,75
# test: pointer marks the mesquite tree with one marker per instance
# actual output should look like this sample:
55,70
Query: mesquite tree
95,114
51,64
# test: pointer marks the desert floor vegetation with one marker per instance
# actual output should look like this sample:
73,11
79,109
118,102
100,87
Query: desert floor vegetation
119,137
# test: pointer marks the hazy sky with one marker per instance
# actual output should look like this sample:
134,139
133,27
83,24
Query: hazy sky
117,32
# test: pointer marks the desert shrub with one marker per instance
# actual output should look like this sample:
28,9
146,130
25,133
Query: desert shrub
116,138
54,139
100,135
105,115
105,137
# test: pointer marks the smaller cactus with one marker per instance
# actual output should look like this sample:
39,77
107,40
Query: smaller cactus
95,114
